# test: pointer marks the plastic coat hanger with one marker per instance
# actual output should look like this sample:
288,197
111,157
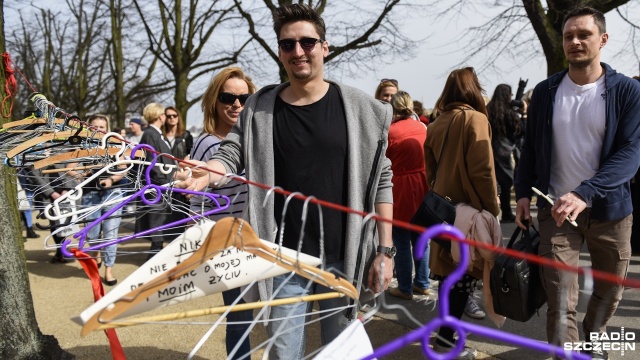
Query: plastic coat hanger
148,188
226,233
462,328
52,211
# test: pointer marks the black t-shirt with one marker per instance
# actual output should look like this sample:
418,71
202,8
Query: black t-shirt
310,156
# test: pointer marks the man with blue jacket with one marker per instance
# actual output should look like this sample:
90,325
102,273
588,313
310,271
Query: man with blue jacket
582,147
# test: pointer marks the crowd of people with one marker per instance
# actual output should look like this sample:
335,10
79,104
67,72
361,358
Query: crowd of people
382,154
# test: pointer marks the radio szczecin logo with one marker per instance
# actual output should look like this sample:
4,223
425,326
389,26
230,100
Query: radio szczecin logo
616,341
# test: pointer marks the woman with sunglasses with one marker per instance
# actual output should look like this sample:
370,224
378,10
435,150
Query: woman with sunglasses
222,103
174,131
386,89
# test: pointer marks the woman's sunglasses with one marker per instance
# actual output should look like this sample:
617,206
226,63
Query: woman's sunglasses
307,44
393,81
230,99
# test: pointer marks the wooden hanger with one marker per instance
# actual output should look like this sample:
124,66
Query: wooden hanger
227,232
75,168
219,310
79,154
102,150
59,135
30,121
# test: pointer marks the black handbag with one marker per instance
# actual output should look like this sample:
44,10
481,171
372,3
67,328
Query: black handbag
516,286
435,209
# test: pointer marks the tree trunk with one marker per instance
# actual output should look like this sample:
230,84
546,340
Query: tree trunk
20,337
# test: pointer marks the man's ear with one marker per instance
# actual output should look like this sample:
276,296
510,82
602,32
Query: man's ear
603,40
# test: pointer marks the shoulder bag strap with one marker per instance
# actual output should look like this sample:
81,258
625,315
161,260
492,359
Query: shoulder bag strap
446,136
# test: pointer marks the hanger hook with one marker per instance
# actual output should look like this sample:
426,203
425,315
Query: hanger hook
305,208
269,192
165,168
282,223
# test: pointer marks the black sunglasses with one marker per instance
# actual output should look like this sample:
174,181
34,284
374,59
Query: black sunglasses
307,44
394,81
230,99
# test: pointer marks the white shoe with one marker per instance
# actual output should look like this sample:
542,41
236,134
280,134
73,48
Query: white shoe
467,353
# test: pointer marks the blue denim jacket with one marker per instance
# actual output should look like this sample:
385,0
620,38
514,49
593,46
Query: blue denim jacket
608,189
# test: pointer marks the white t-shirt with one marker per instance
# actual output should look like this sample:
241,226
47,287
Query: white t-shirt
579,122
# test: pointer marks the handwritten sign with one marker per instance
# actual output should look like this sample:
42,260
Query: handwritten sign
228,269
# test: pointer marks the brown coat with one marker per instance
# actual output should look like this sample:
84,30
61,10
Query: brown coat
466,173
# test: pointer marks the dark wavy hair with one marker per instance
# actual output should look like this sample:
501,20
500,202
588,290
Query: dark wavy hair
500,112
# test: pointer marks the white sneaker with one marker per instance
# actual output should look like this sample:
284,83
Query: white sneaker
473,309
467,353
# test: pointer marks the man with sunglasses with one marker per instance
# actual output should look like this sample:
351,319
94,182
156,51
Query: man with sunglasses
319,138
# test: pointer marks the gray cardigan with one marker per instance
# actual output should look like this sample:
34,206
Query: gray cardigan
249,146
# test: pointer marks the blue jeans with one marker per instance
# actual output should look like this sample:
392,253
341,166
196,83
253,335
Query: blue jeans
235,331
290,339
403,262
110,226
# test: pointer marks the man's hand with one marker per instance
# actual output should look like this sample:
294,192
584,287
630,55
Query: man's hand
379,280
523,213
568,205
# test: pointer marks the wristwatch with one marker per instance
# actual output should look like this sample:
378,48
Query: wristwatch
389,251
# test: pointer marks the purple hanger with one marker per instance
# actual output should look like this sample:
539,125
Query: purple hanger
444,319
82,234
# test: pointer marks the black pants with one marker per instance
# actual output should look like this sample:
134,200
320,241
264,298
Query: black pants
457,301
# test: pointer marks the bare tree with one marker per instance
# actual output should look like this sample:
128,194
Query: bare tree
362,34
180,35
63,55
508,34
132,70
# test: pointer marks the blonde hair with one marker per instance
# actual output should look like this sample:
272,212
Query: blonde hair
402,104
152,112
385,84
210,96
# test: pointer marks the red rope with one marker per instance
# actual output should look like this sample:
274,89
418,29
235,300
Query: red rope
10,86
91,268
600,275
